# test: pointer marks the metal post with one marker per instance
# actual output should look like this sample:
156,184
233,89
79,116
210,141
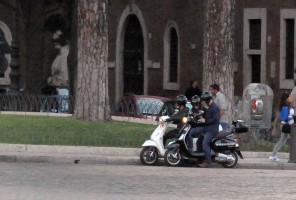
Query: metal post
292,157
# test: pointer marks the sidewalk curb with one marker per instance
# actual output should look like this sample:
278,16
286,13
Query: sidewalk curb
116,156
132,160
110,151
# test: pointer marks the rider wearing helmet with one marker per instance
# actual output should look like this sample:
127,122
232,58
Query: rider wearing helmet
181,100
196,107
210,126
182,111
196,104
206,97
195,100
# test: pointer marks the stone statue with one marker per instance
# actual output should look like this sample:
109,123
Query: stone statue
4,49
59,68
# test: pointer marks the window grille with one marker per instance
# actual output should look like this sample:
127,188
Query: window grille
289,61
255,34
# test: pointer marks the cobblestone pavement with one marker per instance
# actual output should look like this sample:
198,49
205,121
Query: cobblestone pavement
32,181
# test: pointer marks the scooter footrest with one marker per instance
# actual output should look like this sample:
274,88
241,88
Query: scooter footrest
198,154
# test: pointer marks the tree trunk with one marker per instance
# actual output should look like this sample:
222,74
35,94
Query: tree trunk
218,47
91,86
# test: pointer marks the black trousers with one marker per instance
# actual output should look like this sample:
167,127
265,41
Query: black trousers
171,134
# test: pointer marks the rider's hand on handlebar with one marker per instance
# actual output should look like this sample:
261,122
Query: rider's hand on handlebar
201,120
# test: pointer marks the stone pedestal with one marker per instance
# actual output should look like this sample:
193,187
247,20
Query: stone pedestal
292,156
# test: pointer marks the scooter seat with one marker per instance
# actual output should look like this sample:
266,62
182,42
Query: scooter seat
223,134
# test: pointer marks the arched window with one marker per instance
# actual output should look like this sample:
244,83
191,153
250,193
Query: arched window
131,9
171,58
133,55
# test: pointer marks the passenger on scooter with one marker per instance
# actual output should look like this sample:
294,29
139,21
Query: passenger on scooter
196,107
210,126
177,118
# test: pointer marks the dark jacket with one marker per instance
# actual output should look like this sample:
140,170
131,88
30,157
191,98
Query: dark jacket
212,118
191,91
177,117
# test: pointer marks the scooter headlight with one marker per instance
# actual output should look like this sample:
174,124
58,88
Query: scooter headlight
185,120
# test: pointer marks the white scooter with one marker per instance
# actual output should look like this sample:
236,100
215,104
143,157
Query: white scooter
153,148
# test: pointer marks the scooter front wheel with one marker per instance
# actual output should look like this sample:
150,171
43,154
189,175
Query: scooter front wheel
173,157
149,155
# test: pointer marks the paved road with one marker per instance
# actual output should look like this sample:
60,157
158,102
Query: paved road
32,181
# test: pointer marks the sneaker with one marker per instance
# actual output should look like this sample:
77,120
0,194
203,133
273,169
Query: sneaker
274,158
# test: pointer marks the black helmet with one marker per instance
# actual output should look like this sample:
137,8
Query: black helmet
195,100
206,96
181,99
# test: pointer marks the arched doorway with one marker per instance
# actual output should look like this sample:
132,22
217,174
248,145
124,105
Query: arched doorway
133,57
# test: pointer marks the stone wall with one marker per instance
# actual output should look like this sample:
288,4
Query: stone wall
37,50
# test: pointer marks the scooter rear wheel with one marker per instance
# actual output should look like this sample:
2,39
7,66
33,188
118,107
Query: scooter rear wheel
232,163
149,155
173,157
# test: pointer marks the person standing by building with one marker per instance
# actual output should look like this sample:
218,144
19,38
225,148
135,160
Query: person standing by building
220,100
192,90
286,116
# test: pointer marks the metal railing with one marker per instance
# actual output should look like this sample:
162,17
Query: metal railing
36,103
144,109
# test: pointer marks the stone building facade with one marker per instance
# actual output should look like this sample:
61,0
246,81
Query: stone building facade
155,47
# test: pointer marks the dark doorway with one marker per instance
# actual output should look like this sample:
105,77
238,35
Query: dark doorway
133,57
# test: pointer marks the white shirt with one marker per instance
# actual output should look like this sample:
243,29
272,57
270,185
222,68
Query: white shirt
220,100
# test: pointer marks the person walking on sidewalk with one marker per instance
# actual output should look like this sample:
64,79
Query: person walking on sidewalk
286,116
